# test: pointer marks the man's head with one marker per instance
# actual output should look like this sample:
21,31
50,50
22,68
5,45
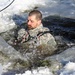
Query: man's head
34,19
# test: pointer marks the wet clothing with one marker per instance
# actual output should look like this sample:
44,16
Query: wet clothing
35,44
39,35
38,41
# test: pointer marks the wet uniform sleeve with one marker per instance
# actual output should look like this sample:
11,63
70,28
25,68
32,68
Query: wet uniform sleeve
21,32
23,35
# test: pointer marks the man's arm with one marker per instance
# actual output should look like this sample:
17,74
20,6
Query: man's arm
22,36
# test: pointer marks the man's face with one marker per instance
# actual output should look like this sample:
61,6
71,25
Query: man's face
33,22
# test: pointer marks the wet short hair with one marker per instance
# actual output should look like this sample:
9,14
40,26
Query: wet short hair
37,13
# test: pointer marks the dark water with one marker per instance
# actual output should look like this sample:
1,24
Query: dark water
61,27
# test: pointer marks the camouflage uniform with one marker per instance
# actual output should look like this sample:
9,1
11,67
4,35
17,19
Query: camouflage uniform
39,38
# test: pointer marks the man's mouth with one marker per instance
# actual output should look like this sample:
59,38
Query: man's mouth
29,27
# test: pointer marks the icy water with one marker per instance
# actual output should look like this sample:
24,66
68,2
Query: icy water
58,15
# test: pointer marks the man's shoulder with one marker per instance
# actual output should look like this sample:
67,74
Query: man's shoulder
42,28
46,37
46,29
45,34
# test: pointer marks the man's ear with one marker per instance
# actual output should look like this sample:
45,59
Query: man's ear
39,21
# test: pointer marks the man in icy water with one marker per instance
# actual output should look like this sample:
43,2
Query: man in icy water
37,36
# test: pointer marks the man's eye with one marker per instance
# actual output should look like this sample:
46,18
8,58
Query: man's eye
32,21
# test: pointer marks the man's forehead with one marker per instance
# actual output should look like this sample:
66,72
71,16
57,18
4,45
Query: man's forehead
32,17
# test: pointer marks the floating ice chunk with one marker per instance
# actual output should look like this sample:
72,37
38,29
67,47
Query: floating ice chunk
34,71
70,66
28,72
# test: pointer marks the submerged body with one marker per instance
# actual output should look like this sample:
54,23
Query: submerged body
35,35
